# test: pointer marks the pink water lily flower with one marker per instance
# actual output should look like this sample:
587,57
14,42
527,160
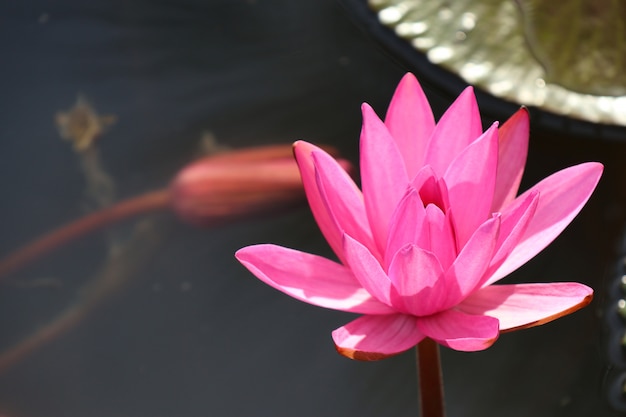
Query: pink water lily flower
437,223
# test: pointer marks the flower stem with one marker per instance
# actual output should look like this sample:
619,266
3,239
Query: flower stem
430,379
150,201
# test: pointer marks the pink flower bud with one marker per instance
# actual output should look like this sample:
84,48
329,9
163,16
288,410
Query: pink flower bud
228,186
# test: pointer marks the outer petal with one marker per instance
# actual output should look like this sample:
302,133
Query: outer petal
458,127
309,278
521,306
410,121
343,200
303,153
371,338
383,183
512,153
460,331
561,196
367,270
471,179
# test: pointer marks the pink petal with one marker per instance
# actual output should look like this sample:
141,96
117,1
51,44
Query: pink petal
431,189
370,338
467,271
416,275
561,196
410,121
515,220
303,152
471,179
408,225
442,237
521,306
367,270
343,200
383,175
309,278
458,127
512,152
460,331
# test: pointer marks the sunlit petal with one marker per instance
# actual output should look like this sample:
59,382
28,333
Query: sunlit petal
561,196
309,278
468,269
367,270
515,220
520,306
303,152
459,126
410,121
460,331
417,275
371,338
512,152
470,179
383,184
408,226
442,236
343,200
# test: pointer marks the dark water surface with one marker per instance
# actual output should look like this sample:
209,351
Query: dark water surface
192,333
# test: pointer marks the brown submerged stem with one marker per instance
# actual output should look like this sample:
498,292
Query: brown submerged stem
430,379
155,200
120,269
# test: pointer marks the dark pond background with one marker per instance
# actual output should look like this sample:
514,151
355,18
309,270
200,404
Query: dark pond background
191,333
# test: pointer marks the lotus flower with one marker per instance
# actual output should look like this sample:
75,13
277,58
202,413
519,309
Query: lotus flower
436,225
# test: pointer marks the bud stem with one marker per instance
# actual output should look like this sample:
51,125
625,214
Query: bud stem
155,200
